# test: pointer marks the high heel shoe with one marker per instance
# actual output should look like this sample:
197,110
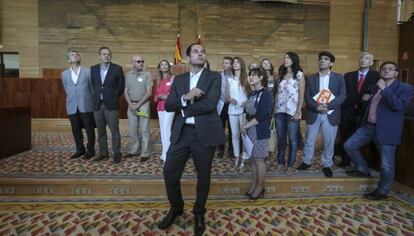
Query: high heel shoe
261,195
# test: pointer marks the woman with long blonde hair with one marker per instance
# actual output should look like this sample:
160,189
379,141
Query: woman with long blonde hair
237,92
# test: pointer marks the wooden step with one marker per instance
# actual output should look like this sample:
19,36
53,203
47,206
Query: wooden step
154,188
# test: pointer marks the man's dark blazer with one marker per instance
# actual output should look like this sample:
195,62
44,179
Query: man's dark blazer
353,99
204,109
112,88
336,86
390,112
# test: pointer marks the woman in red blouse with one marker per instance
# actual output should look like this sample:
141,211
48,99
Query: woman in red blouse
164,82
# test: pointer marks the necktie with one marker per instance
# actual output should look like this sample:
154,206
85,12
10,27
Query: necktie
360,82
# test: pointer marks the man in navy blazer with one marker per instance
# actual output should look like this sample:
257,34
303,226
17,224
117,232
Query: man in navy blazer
323,114
76,81
383,123
197,130
357,84
108,85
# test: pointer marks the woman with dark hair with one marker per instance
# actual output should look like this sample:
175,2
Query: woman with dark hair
237,90
267,67
164,82
288,109
257,129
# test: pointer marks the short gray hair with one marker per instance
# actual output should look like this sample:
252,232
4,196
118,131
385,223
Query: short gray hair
69,52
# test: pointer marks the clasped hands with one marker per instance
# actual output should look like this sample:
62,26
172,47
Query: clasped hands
322,108
134,106
163,97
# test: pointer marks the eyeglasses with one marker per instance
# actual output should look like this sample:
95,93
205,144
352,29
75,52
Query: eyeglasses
388,69
139,61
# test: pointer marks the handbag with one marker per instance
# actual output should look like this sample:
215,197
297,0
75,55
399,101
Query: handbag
273,136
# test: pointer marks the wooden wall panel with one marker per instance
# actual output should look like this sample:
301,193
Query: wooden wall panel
406,52
404,160
244,28
15,132
20,33
47,96
346,32
14,92
45,29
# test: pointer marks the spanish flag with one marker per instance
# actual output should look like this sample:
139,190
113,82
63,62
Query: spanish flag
199,39
177,52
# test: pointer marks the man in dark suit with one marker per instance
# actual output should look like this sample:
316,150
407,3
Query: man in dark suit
197,130
323,111
78,88
357,84
382,122
108,85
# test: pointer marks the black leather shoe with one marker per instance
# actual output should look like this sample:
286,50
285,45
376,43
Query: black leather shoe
144,159
199,226
376,196
169,219
117,158
355,173
129,155
344,163
77,154
304,166
88,156
327,171
101,157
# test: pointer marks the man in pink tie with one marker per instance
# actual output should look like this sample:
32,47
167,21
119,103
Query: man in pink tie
357,84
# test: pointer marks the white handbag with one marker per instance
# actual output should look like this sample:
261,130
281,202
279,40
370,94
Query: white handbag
273,136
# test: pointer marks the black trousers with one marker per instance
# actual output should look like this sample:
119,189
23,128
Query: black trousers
224,116
347,128
177,157
81,120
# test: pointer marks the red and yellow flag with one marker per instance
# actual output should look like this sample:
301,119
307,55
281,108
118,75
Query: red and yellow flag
199,39
177,52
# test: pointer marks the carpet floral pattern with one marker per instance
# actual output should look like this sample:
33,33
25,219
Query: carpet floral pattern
50,154
306,216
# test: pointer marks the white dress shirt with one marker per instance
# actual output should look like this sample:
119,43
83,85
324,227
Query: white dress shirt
75,74
324,81
193,83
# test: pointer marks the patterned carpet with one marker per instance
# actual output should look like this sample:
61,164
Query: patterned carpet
50,154
305,216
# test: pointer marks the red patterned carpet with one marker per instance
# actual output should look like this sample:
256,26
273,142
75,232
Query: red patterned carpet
306,216
49,157
51,151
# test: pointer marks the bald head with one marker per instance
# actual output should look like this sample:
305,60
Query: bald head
137,62
366,60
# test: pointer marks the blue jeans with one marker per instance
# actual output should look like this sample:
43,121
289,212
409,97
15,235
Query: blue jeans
286,127
362,137
328,136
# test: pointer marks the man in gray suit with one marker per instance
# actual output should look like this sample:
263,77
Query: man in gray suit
323,109
77,84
